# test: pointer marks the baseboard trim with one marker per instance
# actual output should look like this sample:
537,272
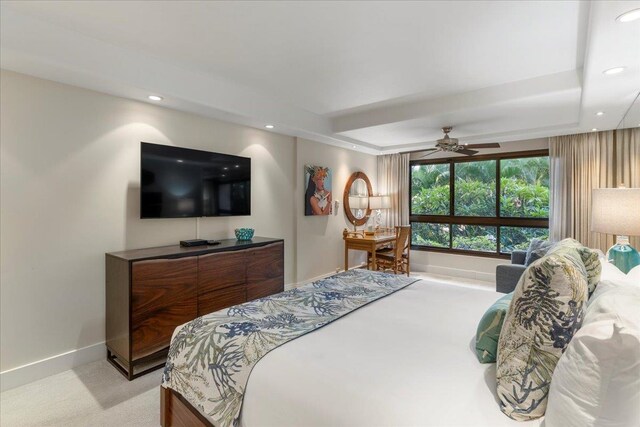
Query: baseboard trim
34,371
25,374
454,272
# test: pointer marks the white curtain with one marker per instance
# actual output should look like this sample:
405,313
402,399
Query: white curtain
580,163
393,180
628,165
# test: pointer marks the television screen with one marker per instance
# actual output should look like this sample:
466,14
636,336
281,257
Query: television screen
180,182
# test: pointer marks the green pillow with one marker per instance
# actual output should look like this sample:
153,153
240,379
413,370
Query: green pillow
489,329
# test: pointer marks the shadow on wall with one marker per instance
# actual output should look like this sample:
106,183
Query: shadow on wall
143,233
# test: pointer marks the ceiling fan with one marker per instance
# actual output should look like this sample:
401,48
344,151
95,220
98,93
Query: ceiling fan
451,145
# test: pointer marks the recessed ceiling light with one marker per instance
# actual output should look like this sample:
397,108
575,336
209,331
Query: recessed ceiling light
600,113
225,168
632,15
614,70
594,129
237,166
269,126
355,146
155,98
179,160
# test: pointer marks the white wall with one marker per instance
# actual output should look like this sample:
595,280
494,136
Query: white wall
470,267
319,238
70,192
467,266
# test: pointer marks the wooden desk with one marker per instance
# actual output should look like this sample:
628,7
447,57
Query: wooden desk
366,243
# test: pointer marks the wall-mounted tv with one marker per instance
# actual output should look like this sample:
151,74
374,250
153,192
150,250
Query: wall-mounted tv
180,183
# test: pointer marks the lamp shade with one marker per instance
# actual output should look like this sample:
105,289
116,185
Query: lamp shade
379,202
358,202
616,211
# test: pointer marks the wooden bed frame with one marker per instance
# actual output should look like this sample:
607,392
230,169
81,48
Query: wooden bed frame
175,411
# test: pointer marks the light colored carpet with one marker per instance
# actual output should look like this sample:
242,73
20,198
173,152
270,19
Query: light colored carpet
94,394
472,283
97,395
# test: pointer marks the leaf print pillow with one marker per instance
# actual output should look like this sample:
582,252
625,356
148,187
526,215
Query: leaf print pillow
589,258
547,309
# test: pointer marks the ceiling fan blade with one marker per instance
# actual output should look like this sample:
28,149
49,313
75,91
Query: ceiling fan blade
432,151
422,150
489,145
467,152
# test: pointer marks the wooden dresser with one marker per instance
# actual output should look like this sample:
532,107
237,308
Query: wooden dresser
149,292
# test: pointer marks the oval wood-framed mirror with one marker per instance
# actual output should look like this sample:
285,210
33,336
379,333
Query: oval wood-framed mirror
356,198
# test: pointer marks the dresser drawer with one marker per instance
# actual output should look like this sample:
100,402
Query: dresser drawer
264,288
158,284
221,270
221,298
153,332
265,271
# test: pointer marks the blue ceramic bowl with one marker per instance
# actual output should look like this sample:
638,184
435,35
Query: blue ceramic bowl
244,233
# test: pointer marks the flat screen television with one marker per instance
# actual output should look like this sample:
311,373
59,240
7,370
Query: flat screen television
180,183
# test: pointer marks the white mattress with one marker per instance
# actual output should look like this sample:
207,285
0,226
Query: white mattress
404,360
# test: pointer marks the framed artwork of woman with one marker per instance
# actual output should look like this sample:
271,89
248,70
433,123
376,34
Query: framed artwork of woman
317,196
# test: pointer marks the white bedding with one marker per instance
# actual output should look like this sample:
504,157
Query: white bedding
404,360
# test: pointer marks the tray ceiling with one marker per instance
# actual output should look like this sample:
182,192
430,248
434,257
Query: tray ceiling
382,76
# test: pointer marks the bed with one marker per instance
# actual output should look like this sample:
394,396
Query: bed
404,360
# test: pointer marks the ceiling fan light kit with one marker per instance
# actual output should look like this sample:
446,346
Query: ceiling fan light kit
452,145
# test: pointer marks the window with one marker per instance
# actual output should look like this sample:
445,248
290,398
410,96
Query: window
475,188
430,189
484,205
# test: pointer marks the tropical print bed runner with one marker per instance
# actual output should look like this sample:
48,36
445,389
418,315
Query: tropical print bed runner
211,357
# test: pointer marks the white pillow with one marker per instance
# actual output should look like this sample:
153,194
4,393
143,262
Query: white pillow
611,272
611,277
596,382
605,286
634,275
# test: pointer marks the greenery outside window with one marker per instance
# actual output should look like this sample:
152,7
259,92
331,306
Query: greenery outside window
485,205
475,188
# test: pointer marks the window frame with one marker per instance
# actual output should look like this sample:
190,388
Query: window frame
493,221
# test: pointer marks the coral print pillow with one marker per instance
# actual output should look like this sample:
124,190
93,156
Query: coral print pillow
547,309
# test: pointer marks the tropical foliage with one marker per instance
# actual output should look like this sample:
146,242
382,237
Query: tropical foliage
474,238
475,188
524,187
524,193
430,189
518,238
430,234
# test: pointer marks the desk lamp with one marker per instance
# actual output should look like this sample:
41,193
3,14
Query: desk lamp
378,203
